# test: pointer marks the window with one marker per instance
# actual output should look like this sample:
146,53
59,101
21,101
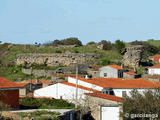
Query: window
124,93
111,93
105,74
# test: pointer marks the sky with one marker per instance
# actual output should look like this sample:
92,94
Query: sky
30,21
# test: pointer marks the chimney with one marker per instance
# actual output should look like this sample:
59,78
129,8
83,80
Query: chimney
86,77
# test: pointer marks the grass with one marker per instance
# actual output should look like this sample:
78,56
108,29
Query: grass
14,73
45,103
154,42
40,115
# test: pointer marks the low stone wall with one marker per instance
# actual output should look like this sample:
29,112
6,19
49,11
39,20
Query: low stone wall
47,73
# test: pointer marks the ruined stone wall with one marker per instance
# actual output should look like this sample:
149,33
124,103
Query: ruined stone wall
47,73
133,56
64,59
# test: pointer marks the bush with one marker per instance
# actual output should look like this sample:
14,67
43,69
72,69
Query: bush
45,103
119,45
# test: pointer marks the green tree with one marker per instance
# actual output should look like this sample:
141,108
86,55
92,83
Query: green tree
107,45
71,41
119,45
146,103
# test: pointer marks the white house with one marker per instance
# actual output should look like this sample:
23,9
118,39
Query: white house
115,86
154,70
111,71
63,90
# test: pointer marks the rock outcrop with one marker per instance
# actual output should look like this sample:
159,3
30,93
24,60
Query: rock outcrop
64,59
133,56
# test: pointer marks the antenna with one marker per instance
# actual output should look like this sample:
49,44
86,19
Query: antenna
76,105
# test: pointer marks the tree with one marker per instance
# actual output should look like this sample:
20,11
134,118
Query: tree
91,43
119,45
146,103
71,41
107,45
148,48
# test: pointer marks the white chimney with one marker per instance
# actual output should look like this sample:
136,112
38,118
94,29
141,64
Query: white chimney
86,77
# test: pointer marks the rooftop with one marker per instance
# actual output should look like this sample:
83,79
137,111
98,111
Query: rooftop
4,83
22,84
120,83
114,66
155,66
39,82
105,96
131,73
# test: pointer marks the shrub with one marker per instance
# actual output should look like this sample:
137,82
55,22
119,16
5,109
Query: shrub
28,102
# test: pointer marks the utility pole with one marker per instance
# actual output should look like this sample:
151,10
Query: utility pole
76,86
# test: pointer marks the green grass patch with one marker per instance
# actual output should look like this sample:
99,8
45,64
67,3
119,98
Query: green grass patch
40,115
29,102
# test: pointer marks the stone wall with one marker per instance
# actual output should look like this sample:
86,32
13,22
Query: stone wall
64,59
34,72
133,56
94,104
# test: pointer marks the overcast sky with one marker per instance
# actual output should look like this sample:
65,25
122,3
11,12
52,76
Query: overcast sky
30,21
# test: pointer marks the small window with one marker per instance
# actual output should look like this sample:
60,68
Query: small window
111,93
124,93
105,74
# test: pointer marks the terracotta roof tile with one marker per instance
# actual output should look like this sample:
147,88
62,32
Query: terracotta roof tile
66,75
39,82
156,58
120,83
45,82
79,86
114,66
131,73
154,76
105,96
4,83
155,66
22,84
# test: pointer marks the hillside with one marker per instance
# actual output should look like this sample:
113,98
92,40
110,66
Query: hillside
12,72
151,42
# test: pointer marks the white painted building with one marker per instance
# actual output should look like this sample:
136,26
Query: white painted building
111,86
115,86
63,90
154,70
111,71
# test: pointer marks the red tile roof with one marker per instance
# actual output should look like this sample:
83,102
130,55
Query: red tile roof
157,82
114,66
105,96
4,83
66,75
79,86
131,73
39,81
22,84
156,58
155,66
154,76
120,83
45,82
95,66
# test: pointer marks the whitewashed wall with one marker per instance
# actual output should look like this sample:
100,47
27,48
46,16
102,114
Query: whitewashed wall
111,72
60,90
85,84
154,71
118,92
110,113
